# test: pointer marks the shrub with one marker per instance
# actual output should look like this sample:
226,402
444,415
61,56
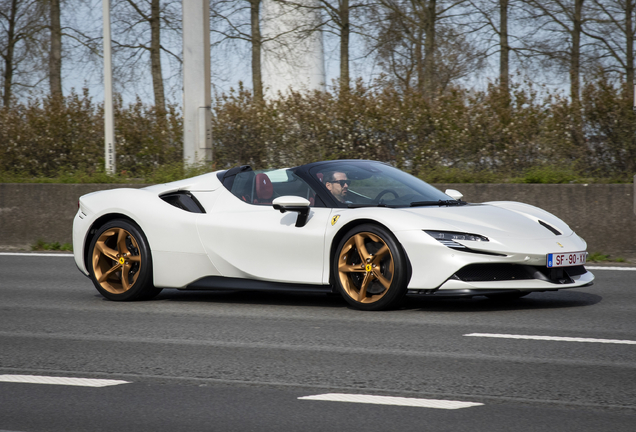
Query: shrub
43,138
527,134
610,129
64,137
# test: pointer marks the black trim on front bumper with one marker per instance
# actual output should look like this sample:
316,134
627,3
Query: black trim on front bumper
477,292
509,272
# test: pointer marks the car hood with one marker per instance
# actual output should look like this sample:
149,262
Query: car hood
501,219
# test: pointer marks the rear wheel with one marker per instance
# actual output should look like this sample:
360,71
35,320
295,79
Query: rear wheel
120,262
369,268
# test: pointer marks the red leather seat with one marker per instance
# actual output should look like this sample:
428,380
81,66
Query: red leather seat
264,189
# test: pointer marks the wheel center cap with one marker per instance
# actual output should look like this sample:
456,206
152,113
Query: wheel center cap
122,260
368,268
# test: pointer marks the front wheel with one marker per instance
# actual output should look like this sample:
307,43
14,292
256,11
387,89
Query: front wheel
369,268
120,262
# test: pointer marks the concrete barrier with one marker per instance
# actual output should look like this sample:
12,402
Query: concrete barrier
603,214
33,211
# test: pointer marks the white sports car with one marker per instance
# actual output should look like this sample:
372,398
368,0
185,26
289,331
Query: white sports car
361,228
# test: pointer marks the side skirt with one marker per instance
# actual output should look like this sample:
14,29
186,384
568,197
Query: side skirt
220,282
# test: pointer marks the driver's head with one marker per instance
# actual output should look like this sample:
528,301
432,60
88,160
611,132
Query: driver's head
338,185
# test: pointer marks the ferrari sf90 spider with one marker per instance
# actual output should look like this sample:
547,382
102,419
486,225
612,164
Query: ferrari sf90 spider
363,229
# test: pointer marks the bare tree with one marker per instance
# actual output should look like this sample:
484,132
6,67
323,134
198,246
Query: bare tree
492,18
21,24
457,57
138,32
56,33
241,22
559,36
418,42
416,23
67,21
257,45
339,18
504,45
340,15
230,22
55,53
613,29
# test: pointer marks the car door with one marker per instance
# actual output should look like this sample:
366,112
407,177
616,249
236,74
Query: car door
245,238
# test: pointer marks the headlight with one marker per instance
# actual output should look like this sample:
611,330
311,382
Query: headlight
448,238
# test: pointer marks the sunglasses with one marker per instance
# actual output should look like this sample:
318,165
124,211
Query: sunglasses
342,182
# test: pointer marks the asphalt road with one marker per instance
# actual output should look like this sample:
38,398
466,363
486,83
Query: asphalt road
241,361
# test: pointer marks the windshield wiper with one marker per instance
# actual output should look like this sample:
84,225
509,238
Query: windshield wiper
413,204
356,205
437,203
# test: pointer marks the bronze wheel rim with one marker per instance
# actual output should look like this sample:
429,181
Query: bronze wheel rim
116,260
365,267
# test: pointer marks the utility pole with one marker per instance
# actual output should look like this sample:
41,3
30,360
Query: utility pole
197,128
289,62
109,123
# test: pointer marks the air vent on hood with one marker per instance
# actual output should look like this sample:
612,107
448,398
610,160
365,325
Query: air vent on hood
551,228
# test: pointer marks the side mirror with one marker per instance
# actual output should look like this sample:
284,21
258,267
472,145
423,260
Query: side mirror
293,203
456,195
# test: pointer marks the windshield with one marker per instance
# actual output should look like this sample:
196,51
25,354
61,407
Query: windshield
362,183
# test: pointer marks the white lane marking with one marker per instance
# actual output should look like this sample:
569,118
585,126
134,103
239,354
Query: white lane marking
388,400
553,338
35,254
610,268
79,382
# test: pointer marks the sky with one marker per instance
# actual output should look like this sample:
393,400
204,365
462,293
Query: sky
231,64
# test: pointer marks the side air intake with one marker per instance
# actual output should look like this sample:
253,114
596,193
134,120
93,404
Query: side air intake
183,200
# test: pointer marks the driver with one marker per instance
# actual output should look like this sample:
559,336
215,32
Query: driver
338,185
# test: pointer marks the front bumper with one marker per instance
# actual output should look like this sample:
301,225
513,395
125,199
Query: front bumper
81,225
525,284
498,265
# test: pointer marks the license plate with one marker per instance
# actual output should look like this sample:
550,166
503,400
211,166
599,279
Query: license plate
566,259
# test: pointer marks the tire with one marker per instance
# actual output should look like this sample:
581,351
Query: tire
121,245
369,268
